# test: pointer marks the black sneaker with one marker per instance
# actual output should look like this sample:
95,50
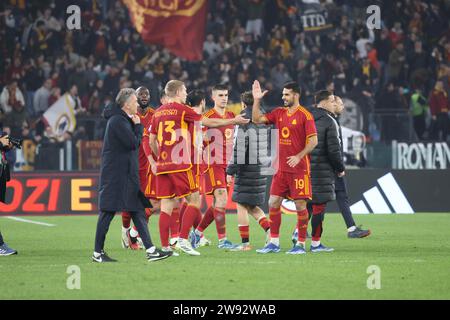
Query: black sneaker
358,233
158,255
103,258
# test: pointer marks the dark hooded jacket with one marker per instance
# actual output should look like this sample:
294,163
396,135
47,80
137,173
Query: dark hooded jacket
250,162
326,158
119,180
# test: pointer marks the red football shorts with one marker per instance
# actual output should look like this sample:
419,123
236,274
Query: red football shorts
175,185
215,178
143,179
293,186
199,178
150,189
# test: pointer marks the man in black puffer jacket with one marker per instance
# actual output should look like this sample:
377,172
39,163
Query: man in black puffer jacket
250,167
326,162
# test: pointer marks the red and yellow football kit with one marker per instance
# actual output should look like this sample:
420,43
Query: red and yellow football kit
175,176
294,131
219,148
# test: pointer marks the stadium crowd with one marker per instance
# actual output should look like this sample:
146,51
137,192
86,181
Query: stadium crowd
403,67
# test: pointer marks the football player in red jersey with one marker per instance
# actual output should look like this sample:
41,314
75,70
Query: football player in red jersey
130,237
220,148
196,99
170,140
297,138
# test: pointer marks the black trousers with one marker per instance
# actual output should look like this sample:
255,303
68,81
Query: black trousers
1,239
343,201
419,125
104,220
441,124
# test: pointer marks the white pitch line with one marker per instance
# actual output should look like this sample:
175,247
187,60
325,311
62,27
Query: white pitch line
31,221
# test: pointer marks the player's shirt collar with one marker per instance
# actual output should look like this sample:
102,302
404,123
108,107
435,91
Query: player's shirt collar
295,111
222,116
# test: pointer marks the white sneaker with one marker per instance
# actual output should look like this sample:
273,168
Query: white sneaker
140,243
173,241
204,242
186,247
169,249
125,243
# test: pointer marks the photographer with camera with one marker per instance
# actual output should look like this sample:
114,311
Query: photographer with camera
6,143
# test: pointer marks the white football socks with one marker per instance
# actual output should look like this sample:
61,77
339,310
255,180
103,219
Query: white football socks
351,229
302,244
133,232
275,241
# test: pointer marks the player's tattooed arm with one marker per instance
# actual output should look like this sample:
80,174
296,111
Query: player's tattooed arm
258,95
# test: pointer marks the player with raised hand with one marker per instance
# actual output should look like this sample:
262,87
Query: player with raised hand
297,138
171,140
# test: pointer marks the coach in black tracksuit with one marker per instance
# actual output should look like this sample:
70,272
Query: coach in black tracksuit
326,162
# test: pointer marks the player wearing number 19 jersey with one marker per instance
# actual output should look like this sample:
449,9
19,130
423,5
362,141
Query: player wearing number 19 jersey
297,137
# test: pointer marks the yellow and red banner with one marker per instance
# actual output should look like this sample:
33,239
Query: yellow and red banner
178,25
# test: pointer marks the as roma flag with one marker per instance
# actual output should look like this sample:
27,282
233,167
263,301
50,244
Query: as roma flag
178,25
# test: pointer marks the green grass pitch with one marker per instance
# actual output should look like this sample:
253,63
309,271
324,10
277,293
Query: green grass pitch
412,252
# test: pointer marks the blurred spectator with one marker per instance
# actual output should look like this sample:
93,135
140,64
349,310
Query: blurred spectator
210,47
279,44
390,98
419,109
55,94
41,98
396,63
365,37
255,17
279,75
246,40
11,98
439,107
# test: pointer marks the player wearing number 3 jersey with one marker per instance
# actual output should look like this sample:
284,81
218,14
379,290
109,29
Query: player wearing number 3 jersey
297,137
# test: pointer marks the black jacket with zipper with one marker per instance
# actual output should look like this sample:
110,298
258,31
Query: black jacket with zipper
250,163
326,158
119,188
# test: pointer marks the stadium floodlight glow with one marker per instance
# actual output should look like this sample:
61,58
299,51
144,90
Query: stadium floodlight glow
376,201
395,195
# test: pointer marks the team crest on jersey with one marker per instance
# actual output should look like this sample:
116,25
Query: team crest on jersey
228,133
294,122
